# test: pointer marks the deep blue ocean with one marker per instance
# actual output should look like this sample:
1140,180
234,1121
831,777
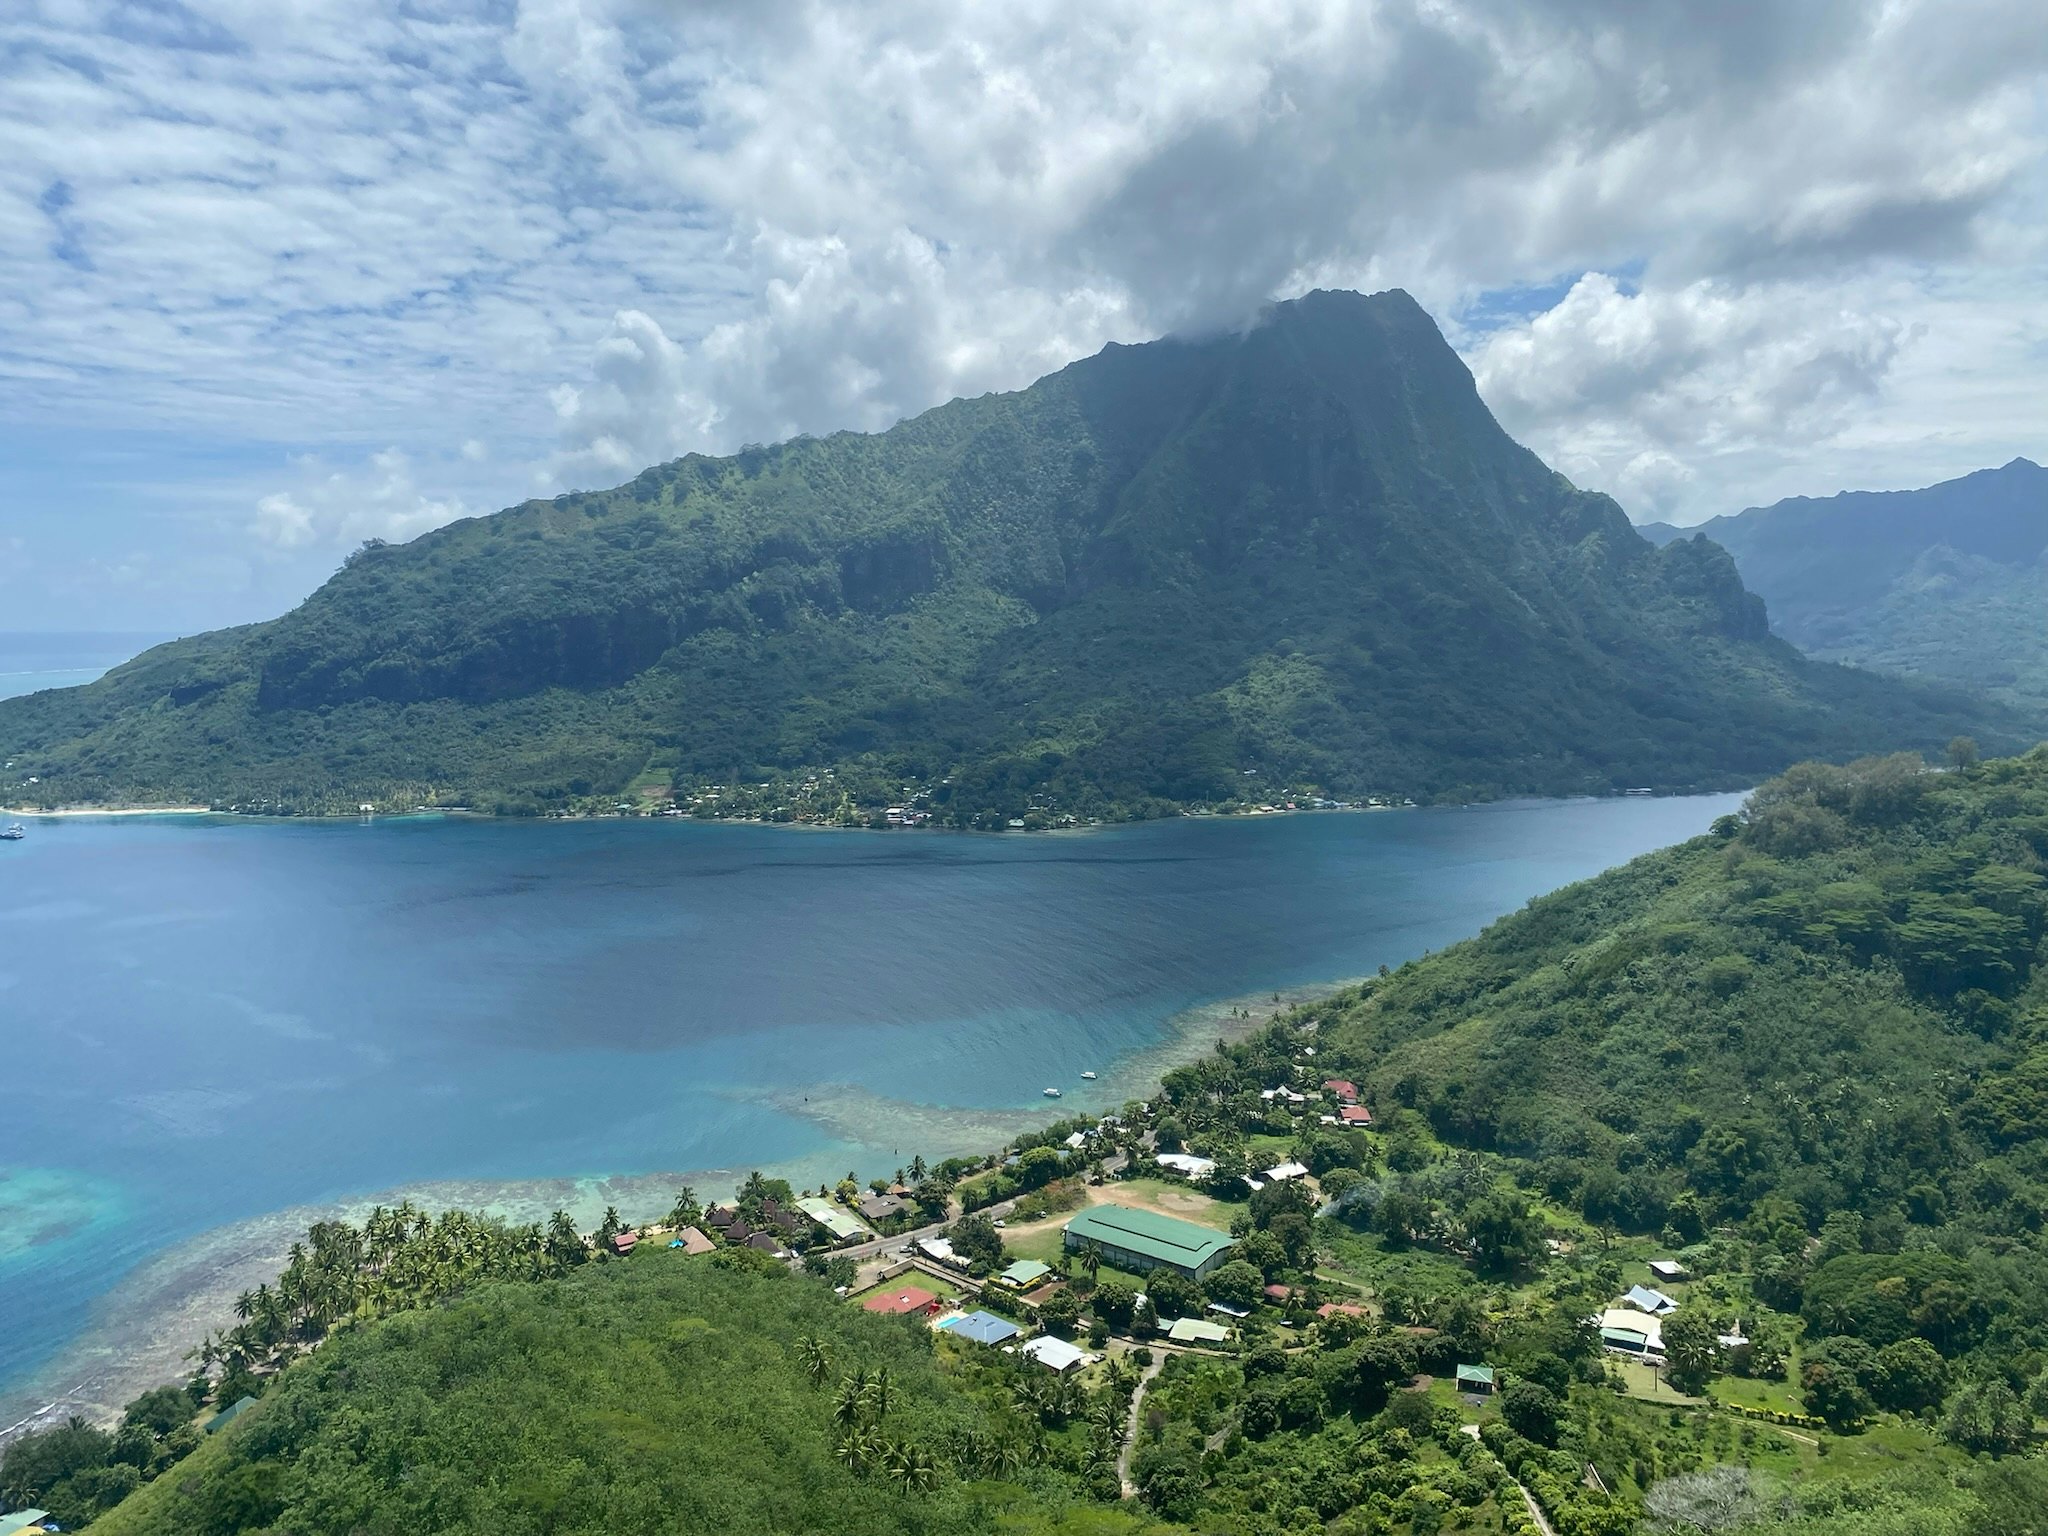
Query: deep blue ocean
206,1019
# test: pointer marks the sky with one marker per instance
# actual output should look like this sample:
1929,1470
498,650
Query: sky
276,278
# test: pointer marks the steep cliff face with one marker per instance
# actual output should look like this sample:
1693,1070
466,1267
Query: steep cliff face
1306,551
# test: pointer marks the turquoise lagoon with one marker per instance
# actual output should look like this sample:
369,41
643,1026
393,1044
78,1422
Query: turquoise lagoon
207,1020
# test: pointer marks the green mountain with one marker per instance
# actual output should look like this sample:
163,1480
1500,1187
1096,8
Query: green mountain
1947,582
1305,556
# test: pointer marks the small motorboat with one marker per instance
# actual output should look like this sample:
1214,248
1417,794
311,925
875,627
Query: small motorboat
1087,1077
1052,1093
15,833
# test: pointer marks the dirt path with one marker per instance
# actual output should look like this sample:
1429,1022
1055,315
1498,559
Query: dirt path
1536,1512
1123,1457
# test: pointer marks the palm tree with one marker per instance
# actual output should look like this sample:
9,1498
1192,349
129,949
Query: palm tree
1092,1262
815,1357
913,1470
1107,1419
849,1407
686,1211
917,1169
877,1392
857,1449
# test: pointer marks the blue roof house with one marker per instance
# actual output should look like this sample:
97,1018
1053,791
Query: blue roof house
982,1328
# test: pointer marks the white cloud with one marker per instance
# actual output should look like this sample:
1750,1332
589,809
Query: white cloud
339,507
1646,394
576,236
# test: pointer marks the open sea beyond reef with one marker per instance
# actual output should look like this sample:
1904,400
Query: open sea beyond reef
213,1030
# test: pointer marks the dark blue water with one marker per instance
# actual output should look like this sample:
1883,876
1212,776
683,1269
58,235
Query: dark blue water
202,1020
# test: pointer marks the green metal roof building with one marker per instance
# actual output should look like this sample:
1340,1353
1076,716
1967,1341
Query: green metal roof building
1142,1241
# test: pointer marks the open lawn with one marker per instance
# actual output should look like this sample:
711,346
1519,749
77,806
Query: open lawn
923,1280
1744,1392
1642,1381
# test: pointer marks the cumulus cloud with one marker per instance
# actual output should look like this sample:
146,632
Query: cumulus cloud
1644,393
1689,249
342,507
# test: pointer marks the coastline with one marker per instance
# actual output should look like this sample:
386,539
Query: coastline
142,1328
119,810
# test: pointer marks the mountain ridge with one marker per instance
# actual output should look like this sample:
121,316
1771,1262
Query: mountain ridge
1946,582
1304,556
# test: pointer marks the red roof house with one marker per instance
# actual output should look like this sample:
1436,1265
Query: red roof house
624,1241
1343,1090
903,1303
1355,1114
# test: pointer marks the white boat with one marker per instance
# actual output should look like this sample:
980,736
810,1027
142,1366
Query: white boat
1052,1093
1087,1077
15,833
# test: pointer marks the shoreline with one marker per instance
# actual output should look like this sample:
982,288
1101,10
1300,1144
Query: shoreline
120,810
141,1328
470,813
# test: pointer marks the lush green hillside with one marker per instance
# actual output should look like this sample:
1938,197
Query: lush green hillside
1829,1019
1186,572
1947,582
668,1395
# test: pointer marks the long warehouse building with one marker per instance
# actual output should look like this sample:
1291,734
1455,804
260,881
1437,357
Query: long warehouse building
1142,1241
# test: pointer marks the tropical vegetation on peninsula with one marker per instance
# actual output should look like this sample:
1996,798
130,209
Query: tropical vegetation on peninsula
1303,560
1798,1061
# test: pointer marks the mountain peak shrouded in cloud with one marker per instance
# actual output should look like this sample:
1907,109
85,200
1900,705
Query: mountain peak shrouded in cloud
1760,245
1302,553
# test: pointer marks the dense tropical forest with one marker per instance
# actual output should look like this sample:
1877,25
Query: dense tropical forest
1799,1066
1945,582
1300,560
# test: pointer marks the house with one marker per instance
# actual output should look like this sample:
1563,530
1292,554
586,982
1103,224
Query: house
1142,1241
1279,1294
736,1231
906,1301
1476,1378
1283,1094
1342,1309
692,1241
1056,1354
1630,1331
1192,1330
1668,1270
879,1207
1025,1273
625,1242
1354,1114
765,1242
26,1522
228,1415
1280,1173
1187,1164
939,1251
1340,1090
835,1219
981,1328
721,1217
1654,1302
1077,1141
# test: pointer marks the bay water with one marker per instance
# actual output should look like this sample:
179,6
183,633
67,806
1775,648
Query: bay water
205,1021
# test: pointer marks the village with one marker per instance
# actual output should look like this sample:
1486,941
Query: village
1109,1253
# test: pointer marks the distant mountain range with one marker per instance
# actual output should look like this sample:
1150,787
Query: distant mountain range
1304,557
1947,582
